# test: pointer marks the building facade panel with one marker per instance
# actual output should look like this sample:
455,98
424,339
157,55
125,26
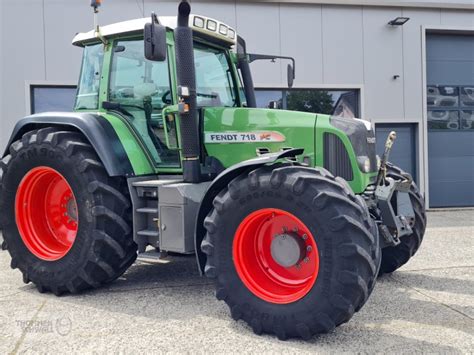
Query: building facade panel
342,49
23,58
458,18
383,65
301,37
259,24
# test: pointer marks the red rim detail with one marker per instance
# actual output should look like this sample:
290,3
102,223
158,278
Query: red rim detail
255,265
46,213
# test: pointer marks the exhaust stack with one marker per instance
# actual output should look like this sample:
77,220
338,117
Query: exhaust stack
187,95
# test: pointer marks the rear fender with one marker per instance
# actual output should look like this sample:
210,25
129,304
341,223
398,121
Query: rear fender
96,129
220,182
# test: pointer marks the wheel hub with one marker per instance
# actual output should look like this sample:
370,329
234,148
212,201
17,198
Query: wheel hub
71,208
288,249
46,213
275,255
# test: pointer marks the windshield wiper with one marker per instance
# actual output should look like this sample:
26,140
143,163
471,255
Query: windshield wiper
115,106
209,96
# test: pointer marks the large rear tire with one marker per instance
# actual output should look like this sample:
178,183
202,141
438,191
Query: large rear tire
253,231
65,221
394,257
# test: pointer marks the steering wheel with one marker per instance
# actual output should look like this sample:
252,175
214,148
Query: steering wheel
165,100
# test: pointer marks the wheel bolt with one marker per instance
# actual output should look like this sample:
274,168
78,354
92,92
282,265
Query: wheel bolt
306,259
309,248
305,236
295,229
298,266
285,229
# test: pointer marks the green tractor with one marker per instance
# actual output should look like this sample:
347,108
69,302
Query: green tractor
292,214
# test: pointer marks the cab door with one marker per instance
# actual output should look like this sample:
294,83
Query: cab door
143,89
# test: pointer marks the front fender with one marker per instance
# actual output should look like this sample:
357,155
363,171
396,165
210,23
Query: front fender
96,129
220,182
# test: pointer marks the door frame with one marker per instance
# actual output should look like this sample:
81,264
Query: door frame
426,30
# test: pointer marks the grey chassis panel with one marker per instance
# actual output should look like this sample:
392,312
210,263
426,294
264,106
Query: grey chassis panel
220,182
97,130
178,205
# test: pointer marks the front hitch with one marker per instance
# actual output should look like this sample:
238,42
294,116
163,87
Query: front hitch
383,163
397,215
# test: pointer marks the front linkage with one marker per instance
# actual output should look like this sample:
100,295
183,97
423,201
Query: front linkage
390,202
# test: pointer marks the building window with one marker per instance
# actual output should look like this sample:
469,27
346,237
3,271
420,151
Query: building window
48,98
343,103
450,107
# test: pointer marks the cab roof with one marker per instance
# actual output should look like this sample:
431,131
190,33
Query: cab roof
200,24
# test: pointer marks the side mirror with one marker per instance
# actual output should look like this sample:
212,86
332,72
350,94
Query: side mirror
154,36
291,75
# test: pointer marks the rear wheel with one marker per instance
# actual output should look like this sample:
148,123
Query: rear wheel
292,249
394,257
65,221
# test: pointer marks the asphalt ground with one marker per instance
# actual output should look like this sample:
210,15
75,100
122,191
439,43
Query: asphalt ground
425,307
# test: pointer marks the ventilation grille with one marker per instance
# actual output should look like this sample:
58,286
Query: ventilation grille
336,158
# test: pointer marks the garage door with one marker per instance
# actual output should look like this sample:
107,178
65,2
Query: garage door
450,94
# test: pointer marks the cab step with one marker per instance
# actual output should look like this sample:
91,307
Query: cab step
149,233
148,210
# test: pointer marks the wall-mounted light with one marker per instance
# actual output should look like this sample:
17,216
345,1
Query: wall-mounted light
399,21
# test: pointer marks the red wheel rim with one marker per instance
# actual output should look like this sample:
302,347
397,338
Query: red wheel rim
46,213
258,269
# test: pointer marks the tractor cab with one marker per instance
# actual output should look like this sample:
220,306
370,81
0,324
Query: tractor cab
116,77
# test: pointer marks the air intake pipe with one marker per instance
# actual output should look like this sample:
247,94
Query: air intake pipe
187,95
246,73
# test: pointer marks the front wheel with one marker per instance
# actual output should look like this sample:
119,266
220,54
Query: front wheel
292,249
65,221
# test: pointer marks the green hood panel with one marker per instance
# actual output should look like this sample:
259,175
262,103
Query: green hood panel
234,134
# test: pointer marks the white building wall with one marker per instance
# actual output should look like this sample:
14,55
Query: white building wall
333,45
23,58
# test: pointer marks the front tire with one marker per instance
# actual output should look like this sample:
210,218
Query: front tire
272,288
65,221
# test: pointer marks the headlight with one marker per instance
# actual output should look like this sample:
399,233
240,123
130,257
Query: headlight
364,164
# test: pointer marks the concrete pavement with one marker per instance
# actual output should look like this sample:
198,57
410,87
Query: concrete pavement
426,306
